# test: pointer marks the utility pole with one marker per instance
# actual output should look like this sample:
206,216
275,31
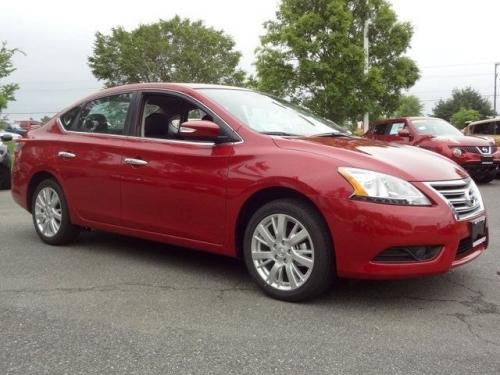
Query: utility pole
366,47
495,91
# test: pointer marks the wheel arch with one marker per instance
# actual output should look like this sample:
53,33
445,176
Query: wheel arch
35,180
260,198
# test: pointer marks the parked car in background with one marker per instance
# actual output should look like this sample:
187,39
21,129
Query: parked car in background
23,126
14,136
235,172
29,124
5,161
478,156
485,128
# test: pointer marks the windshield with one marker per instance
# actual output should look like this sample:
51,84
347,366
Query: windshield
436,127
270,115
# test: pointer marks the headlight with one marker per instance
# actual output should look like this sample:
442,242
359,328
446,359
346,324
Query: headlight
382,188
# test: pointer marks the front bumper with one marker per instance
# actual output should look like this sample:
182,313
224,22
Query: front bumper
477,165
363,230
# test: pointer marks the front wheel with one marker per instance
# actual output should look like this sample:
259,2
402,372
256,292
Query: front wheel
487,177
288,250
51,216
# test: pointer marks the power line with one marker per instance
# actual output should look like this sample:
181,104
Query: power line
28,113
454,65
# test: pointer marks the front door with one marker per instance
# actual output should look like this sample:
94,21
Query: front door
170,186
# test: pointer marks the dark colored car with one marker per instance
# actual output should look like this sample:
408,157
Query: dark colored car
238,173
480,157
5,163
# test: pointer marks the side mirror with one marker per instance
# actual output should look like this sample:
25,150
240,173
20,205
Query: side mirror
404,133
6,137
199,130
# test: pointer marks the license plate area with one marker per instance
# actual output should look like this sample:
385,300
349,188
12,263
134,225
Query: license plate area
486,159
477,230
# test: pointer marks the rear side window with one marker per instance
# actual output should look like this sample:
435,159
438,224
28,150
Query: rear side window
105,115
380,129
69,118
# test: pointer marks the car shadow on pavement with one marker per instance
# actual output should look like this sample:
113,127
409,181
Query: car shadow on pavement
456,286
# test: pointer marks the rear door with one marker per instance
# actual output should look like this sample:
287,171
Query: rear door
90,156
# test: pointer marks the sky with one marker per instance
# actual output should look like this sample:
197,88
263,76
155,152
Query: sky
455,43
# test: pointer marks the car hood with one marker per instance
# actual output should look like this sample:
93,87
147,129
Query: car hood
463,140
407,162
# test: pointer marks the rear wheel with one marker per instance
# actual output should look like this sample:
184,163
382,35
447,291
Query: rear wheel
50,214
288,250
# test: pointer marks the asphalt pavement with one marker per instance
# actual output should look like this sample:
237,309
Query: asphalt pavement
110,304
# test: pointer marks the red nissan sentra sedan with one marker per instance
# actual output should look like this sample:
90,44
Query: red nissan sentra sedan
235,172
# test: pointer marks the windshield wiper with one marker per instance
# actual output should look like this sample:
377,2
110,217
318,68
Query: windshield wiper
332,134
280,133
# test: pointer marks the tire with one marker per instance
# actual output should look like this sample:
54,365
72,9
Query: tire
487,178
4,178
60,231
269,260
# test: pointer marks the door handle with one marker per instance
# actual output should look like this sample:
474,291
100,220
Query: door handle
66,155
136,162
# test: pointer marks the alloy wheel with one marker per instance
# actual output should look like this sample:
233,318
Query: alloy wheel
48,211
282,252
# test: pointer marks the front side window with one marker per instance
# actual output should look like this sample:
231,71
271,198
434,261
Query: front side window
269,115
163,114
435,127
396,127
69,118
105,115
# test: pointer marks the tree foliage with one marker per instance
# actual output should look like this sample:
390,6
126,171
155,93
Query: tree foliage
467,98
409,105
45,119
6,68
313,54
176,50
463,116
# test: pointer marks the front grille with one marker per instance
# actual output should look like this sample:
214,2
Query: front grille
483,150
461,195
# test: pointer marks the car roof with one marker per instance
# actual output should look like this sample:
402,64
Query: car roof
383,121
174,86
168,86
484,121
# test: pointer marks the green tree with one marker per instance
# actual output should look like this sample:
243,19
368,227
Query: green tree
465,98
44,119
313,54
6,68
409,105
3,122
176,50
463,116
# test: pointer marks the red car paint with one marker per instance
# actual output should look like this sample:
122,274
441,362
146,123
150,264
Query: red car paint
195,194
472,158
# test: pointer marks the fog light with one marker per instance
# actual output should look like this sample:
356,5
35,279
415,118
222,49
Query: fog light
457,152
408,254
